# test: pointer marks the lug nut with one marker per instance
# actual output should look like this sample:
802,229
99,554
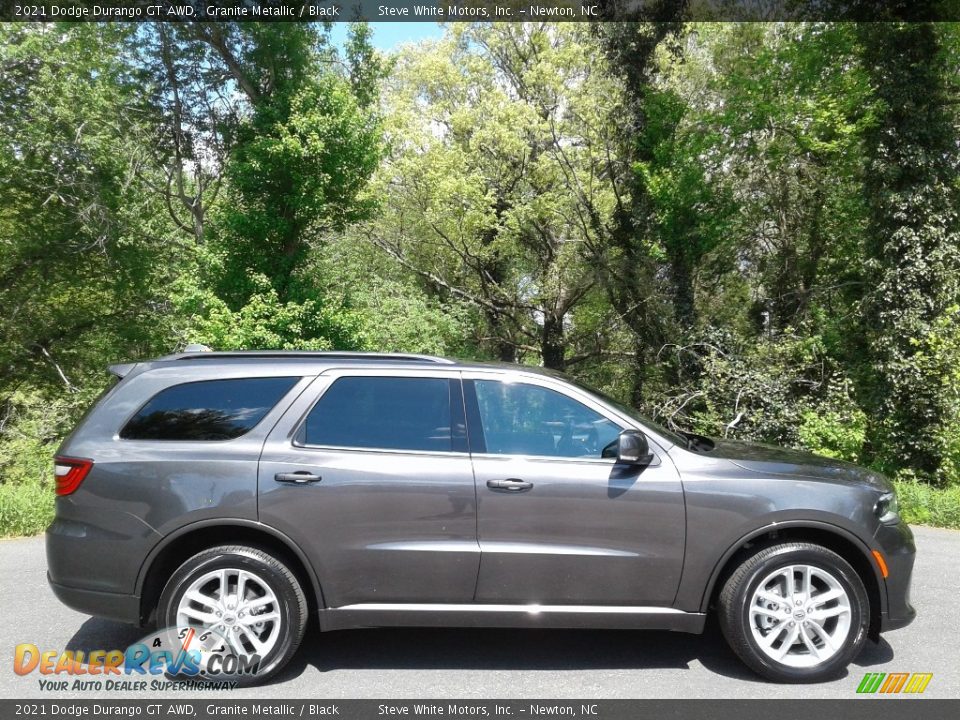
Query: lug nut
798,603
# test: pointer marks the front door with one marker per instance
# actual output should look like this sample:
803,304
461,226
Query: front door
375,485
558,523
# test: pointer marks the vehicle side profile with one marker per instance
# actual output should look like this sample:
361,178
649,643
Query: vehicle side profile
245,492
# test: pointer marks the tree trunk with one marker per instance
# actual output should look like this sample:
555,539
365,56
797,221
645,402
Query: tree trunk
552,342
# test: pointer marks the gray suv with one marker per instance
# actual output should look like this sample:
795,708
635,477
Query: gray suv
244,492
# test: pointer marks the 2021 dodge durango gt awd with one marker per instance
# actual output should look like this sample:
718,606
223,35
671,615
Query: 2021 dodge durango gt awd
244,492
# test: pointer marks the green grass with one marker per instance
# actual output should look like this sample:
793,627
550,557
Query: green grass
922,504
25,508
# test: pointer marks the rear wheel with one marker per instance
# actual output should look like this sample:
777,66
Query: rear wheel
244,596
795,612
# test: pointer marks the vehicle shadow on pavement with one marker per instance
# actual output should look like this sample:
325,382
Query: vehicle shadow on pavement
491,649
99,634
530,649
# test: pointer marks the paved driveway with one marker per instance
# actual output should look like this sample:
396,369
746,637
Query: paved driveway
412,663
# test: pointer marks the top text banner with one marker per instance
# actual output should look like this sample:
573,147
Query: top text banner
473,10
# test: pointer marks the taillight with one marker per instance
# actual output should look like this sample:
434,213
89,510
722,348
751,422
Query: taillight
69,473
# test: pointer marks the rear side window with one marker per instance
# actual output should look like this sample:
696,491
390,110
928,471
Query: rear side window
389,413
207,410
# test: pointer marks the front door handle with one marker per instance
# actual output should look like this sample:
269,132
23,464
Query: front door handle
510,485
300,477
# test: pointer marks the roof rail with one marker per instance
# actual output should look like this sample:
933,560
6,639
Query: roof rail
308,355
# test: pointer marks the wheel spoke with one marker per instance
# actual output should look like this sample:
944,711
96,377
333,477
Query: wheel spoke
206,618
770,597
760,610
201,599
807,574
788,642
260,602
257,643
241,586
822,634
253,619
788,584
770,638
826,613
808,641
827,596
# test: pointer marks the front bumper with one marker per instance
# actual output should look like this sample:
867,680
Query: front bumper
899,551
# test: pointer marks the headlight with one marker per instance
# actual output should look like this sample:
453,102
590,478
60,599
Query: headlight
887,508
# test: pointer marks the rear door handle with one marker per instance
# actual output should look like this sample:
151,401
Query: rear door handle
300,477
510,485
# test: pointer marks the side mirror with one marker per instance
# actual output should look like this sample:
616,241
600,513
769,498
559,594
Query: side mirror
633,449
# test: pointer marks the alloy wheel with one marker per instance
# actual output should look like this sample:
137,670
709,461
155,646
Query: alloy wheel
800,616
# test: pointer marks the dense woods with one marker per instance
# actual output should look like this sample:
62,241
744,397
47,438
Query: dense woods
746,230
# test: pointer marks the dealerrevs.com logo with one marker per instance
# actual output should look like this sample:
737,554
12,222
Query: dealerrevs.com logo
169,659
894,683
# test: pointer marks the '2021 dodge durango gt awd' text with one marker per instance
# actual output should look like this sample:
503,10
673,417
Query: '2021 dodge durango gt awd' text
239,493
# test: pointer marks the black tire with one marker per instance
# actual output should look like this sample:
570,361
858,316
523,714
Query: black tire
738,591
291,601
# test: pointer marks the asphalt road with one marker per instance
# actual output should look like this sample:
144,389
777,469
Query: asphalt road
492,664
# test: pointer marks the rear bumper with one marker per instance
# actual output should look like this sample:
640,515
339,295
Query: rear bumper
899,551
113,606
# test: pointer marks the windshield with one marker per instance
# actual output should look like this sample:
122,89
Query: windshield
670,435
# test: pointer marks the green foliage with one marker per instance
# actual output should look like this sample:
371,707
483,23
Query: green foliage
84,246
32,426
297,167
25,509
923,504
912,247
837,433
749,230
264,321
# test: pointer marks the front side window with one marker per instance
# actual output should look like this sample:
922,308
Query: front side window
522,419
207,410
386,413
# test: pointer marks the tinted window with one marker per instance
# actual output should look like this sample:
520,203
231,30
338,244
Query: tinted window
207,410
520,419
383,412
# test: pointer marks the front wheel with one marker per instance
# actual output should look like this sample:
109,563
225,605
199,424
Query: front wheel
238,601
795,612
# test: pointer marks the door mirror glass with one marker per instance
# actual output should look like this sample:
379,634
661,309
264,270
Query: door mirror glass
633,449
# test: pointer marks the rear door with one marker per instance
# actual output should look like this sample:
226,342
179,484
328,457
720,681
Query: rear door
558,523
370,474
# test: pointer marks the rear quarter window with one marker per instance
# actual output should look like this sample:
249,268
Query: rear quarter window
207,409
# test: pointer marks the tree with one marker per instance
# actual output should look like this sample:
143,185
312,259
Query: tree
297,162
912,245
624,254
84,245
499,141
